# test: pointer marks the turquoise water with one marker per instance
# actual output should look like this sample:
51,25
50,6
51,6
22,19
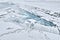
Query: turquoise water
38,19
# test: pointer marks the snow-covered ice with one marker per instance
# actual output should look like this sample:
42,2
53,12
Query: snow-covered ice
29,20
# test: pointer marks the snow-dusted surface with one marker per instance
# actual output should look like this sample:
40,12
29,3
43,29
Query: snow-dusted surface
29,20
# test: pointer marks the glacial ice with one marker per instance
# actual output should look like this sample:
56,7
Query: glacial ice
28,20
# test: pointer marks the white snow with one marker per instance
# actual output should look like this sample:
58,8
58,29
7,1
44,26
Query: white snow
20,20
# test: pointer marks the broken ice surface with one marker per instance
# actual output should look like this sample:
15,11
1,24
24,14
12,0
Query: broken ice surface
21,17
